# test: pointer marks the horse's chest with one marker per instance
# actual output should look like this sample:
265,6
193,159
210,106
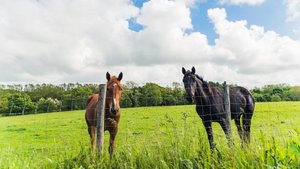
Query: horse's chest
111,123
208,111
203,110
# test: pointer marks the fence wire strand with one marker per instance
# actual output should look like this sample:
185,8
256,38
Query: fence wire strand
144,123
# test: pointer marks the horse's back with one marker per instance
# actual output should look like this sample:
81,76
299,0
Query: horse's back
91,107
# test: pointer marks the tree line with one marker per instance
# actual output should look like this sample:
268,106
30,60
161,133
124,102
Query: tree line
37,98
275,93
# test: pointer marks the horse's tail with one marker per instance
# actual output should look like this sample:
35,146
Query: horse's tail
247,116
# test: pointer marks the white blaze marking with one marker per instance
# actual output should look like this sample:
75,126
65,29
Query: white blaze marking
115,100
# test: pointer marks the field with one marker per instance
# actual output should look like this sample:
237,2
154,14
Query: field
152,137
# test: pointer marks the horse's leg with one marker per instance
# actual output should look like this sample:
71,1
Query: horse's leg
226,126
92,132
246,118
246,127
91,136
207,125
239,128
112,142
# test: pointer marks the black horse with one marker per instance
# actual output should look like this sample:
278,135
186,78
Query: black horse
210,106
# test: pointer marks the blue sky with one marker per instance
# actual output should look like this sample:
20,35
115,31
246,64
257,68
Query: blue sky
270,14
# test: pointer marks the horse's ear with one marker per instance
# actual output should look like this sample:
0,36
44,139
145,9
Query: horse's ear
120,76
107,76
183,70
193,70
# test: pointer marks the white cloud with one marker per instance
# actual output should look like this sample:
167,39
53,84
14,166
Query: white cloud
52,39
241,2
297,32
76,41
252,50
293,10
164,40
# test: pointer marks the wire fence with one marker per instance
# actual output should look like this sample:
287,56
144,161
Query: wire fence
52,134
46,106
17,107
267,113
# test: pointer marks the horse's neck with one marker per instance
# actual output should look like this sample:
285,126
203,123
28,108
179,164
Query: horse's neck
202,93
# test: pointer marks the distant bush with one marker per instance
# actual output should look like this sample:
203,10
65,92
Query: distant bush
280,92
48,105
275,98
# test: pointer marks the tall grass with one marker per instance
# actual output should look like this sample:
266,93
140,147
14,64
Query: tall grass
181,152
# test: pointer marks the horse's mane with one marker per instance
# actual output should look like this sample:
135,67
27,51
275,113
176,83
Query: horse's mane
206,86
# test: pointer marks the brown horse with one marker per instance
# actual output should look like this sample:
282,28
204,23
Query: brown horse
112,111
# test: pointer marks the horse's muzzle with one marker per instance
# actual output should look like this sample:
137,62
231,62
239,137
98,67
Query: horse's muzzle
114,110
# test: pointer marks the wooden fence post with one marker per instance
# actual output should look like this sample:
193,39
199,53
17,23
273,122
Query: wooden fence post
227,108
100,117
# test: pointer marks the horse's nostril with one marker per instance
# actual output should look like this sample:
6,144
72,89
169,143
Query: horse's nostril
114,110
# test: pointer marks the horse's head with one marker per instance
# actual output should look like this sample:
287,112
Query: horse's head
114,92
190,85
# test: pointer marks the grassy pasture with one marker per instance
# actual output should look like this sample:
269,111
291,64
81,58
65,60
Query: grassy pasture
152,137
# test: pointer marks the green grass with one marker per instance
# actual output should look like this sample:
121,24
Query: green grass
152,137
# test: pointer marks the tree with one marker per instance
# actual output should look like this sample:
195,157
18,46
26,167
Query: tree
275,98
44,90
48,105
294,93
216,84
3,101
151,95
258,97
20,103
168,97
176,85
131,85
272,93
75,98
126,100
266,97
136,96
